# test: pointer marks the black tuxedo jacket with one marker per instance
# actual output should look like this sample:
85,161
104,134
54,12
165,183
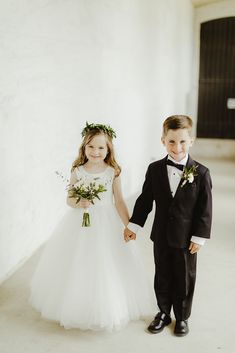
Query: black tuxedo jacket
180,217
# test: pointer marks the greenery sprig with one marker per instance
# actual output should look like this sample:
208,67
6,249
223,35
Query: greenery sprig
100,127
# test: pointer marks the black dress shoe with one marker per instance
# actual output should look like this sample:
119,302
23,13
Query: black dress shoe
181,328
160,321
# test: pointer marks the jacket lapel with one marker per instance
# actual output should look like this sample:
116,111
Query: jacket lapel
164,177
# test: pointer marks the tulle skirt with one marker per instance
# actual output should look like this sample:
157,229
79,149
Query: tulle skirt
89,277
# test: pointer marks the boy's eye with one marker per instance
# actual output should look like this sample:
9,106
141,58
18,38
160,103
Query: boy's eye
101,148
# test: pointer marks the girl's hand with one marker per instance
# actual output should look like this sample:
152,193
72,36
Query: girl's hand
83,203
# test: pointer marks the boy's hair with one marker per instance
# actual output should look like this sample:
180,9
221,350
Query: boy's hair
175,122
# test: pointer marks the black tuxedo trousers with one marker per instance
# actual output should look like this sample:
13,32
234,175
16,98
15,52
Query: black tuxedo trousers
174,282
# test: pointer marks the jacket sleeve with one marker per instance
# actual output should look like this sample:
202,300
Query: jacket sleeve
144,203
203,209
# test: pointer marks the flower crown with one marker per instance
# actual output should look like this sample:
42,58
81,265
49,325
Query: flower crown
105,128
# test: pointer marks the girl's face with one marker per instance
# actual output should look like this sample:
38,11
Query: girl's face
177,143
96,150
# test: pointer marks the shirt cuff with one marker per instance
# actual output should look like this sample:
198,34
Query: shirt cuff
198,240
133,227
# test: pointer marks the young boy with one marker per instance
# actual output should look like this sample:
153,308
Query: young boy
181,189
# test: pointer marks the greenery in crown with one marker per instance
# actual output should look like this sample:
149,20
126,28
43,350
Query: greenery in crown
103,128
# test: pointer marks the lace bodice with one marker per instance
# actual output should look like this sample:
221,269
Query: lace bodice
104,178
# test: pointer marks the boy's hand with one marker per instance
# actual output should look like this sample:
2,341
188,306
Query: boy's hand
129,235
193,248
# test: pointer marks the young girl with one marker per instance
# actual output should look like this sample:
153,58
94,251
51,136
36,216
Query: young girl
88,277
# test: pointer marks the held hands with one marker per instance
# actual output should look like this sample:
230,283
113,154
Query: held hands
193,248
129,235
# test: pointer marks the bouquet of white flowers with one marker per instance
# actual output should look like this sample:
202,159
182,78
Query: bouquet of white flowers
88,191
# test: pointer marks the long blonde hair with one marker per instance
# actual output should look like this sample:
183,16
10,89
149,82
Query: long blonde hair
109,159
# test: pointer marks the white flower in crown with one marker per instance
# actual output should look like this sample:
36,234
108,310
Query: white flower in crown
189,174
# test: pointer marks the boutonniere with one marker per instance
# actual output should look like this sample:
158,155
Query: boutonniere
189,174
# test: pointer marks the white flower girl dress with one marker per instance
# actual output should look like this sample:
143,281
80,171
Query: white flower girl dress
89,277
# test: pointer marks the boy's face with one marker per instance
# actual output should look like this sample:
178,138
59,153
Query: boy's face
177,143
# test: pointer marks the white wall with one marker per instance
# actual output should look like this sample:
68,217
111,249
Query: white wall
122,62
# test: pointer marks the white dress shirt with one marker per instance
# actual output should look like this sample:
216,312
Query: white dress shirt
174,175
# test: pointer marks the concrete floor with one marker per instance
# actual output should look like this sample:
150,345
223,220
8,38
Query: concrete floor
212,328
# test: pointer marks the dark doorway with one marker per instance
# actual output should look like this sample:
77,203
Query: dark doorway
216,114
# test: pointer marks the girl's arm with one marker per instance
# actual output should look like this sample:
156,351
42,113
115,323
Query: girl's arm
71,201
119,201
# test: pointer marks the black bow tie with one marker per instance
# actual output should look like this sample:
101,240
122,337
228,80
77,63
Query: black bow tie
178,166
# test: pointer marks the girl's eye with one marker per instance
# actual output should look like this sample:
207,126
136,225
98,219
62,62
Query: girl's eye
101,148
